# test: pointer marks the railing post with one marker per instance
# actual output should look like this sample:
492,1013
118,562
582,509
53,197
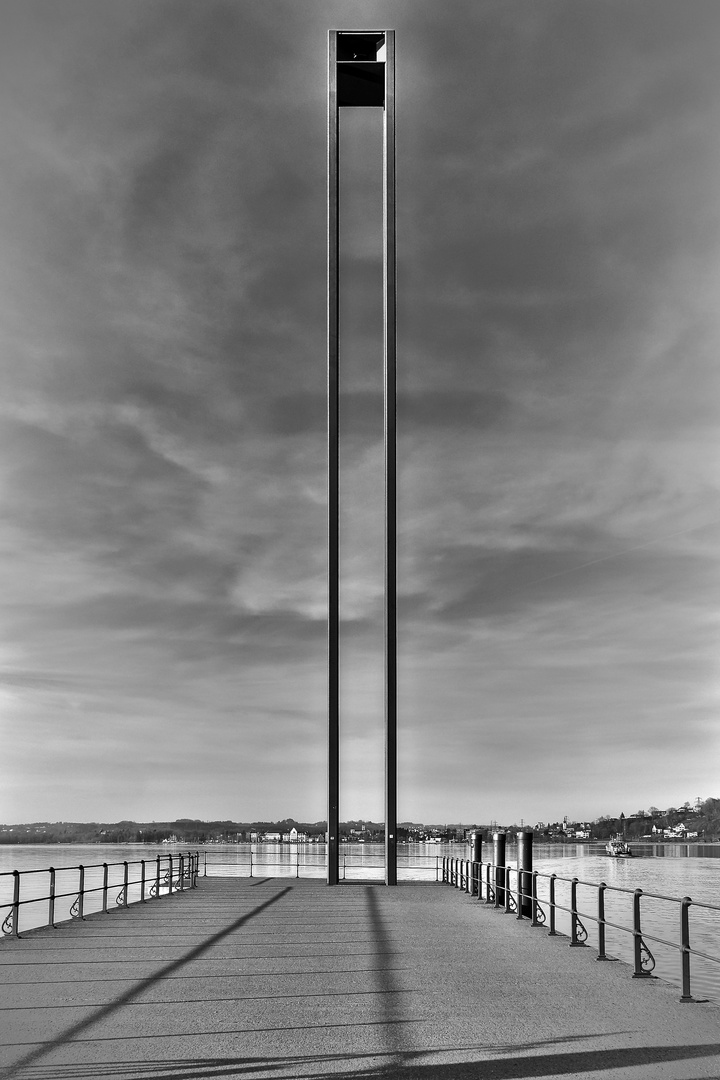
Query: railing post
601,921
551,905
105,888
126,879
182,872
142,881
297,861
16,904
51,899
575,940
534,900
157,879
519,893
639,972
170,875
500,873
508,891
488,886
250,862
685,947
205,862
81,894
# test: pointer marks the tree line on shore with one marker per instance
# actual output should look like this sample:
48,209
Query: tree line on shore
703,819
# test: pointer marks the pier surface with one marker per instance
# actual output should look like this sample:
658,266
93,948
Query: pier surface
281,978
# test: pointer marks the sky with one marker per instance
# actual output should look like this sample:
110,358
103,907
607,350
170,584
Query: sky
162,417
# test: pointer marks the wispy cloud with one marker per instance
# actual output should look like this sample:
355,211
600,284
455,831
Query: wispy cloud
162,448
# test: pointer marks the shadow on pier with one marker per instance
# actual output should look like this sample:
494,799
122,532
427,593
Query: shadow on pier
270,979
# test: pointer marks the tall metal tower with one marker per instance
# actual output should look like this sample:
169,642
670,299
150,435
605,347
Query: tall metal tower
361,73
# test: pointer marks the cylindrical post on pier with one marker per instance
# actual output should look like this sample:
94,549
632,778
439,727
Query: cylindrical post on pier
476,858
525,865
499,861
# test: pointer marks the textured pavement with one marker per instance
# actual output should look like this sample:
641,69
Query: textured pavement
283,978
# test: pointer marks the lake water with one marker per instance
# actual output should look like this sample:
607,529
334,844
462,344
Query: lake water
667,870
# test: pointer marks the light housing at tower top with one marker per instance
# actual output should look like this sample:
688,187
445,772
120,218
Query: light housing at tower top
360,61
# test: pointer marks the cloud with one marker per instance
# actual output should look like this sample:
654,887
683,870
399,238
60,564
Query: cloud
162,213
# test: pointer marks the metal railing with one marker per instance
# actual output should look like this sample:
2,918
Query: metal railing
515,891
73,892
299,862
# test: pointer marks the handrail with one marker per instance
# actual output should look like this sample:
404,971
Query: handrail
92,882
467,875
252,861
180,871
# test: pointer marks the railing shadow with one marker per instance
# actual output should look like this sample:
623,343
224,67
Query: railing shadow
137,988
412,1066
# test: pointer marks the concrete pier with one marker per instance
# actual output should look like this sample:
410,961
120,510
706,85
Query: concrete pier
285,978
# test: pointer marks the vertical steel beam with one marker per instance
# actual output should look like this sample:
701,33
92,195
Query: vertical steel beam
390,373
362,88
333,790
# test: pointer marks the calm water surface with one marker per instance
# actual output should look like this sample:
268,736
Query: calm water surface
666,870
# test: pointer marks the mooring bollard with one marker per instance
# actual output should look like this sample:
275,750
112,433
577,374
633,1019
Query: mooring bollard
524,865
499,861
476,839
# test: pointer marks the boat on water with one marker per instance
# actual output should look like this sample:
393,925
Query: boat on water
617,848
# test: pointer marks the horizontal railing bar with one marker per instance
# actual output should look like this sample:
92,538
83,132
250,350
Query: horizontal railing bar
705,956
700,903
662,941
